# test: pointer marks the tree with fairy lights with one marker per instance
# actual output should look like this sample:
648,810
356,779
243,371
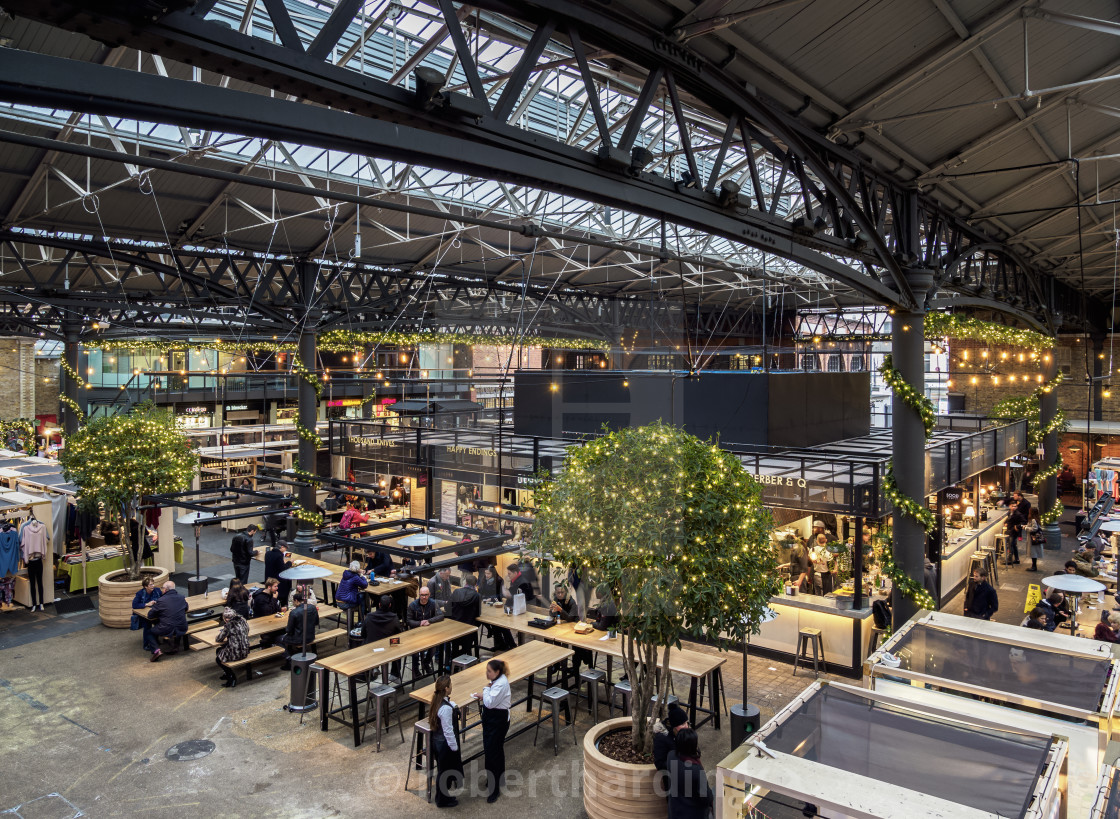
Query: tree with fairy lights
115,461
672,529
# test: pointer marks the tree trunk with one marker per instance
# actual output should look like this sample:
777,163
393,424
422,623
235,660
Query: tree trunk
132,561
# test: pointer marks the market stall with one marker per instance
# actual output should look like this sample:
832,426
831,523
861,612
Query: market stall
1107,803
848,752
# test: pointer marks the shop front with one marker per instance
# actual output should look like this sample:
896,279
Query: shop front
196,415
241,413
344,408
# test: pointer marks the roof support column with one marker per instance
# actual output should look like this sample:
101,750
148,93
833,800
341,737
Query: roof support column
1048,489
908,439
308,400
71,354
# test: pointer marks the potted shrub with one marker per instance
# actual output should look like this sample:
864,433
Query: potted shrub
114,462
674,530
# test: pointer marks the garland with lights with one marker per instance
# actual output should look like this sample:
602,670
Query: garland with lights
309,435
305,476
314,518
949,325
1053,514
21,430
66,399
907,586
913,399
916,510
1050,471
308,376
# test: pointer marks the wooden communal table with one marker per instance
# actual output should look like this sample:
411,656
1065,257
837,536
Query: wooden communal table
695,665
385,584
198,604
259,626
524,662
357,661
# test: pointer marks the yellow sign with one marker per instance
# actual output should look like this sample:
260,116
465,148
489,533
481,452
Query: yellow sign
1034,597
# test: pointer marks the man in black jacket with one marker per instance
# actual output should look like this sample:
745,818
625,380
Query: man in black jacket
663,738
171,611
277,561
292,638
242,551
564,605
465,605
984,602
423,611
381,624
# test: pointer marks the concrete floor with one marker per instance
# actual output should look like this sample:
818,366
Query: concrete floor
87,721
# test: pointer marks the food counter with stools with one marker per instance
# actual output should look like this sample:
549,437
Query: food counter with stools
962,544
845,632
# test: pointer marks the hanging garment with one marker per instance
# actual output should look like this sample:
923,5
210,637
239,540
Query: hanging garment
33,539
58,524
9,552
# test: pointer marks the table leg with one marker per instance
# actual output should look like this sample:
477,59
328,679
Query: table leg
692,687
324,698
352,685
713,697
529,701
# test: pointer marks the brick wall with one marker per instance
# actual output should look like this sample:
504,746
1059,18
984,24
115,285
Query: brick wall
17,378
987,375
46,386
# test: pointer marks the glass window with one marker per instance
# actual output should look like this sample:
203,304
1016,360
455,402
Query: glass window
835,363
809,362
855,364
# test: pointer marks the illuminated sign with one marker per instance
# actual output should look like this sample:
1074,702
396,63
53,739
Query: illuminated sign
345,402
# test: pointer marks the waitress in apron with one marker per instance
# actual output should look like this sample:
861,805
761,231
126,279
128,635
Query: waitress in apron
495,724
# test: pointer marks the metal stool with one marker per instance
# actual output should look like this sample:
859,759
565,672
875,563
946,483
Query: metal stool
622,687
422,749
876,633
593,676
1000,541
556,698
463,661
670,699
380,695
355,637
807,637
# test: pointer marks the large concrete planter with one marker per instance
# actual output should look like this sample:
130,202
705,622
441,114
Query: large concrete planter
618,790
115,593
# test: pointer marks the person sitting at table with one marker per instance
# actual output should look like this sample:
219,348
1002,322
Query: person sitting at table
233,645
292,638
237,598
148,593
378,562
171,612
380,624
277,561
1082,564
690,797
496,699
350,593
564,605
266,601
1052,609
490,586
423,612
518,582
305,590
1036,619
440,587
1108,630
443,718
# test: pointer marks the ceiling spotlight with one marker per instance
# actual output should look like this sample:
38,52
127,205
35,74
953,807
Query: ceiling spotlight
429,87
640,158
728,194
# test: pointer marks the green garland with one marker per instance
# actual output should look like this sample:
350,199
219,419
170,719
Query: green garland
308,376
1050,471
907,586
66,399
913,509
948,325
314,518
309,435
1053,514
913,399
24,431
305,476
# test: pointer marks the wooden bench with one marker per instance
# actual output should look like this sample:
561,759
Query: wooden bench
257,656
323,636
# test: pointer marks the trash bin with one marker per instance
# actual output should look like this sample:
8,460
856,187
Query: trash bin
303,684
745,720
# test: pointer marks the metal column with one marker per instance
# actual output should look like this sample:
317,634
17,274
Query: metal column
73,356
908,440
1048,489
308,400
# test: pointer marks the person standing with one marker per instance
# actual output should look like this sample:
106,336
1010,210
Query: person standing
820,558
984,601
276,561
443,719
495,725
465,605
440,587
1015,524
799,566
242,551
1036,538
233,645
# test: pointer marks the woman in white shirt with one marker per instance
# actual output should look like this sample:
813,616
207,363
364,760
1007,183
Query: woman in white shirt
443,719
495,724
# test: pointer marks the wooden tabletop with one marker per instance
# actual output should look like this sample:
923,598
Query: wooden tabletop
682,661
262,625
364,658
385,585
199,602
523,662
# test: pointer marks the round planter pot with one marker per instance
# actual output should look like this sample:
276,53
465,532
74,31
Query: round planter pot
618,790
114,594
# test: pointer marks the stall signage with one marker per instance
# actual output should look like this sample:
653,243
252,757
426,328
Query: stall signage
195,410
386,401
370,447
345,402
779,480
951,495
471,450
236,407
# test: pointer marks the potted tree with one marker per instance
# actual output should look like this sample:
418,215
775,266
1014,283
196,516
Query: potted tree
115,461
673,529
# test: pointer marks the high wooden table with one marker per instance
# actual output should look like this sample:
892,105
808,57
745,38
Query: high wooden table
695,665
200,603
363,659
524,662
262,625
